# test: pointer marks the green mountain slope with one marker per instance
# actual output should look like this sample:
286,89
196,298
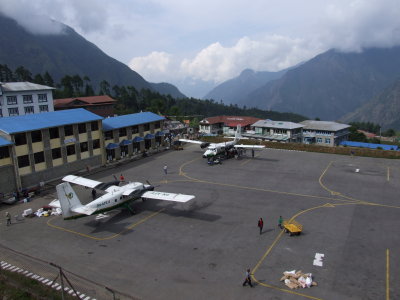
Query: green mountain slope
383,109
66,54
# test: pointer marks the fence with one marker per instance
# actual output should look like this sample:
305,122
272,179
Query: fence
69,285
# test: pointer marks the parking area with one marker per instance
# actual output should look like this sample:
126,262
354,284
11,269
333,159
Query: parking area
348,206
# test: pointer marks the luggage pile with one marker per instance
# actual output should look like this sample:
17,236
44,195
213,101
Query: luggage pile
294,280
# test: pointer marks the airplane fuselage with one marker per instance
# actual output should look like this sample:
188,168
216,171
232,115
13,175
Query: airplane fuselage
218,148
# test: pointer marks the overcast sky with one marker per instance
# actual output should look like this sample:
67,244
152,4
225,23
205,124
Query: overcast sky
214,40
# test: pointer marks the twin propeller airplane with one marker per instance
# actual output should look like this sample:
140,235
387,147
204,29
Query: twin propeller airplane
115,196
214,149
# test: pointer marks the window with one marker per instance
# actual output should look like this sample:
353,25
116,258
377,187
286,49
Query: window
135,129
23,161
157,125
146,127
108,135
82,128
36,136
1,113
20,139
319,140
84,147
13,111
70,150
39,157
68,130
56,153
54,133
27,99
327,141
122,131
42,98
94,125
96,144
4,153
43,108
29,110
11,100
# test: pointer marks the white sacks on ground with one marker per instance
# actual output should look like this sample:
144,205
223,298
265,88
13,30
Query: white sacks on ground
294,280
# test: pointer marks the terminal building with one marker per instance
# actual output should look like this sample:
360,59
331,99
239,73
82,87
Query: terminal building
132,135
23,98
276,131
324,133
40,147
226,124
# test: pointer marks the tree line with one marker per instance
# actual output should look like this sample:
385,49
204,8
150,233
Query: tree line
131,100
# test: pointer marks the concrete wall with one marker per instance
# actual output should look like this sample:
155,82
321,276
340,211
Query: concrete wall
7,179
60,171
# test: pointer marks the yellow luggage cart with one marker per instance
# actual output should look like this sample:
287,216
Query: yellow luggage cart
292,227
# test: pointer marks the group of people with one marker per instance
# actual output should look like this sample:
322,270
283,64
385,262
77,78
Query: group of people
260,225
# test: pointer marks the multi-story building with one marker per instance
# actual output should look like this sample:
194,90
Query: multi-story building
99,105
132,134
276,131
325,133
23,98
42,147
225,124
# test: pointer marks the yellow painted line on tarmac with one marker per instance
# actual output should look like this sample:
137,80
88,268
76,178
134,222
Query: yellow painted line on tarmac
130,227
387,275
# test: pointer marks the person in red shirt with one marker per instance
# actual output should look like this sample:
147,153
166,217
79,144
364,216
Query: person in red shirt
260,224
121,178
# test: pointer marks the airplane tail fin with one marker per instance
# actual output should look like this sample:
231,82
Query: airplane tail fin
69,201
238,133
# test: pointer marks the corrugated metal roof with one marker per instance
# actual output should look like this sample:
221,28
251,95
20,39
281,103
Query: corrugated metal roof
130,120
23,86
88,100
32,122
369,145
277,124
323,125
4,142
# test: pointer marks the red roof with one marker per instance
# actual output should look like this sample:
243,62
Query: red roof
231,121
367,134
93,100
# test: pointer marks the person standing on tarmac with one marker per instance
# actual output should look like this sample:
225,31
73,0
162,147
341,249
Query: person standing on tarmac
248,279
8,218
260,224
280,221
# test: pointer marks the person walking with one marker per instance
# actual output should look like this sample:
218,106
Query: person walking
280,221
121,178
8,217
248,279
260,224
165,169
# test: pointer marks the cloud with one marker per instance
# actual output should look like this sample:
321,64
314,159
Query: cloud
358,24
218,63
28,15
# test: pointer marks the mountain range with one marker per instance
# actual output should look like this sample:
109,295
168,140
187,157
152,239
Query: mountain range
68,53
330,86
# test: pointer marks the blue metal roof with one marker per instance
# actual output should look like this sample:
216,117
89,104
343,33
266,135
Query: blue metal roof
111,146
125,143
4,142
369,145
32,122
149,136
137,139
160,133
130,120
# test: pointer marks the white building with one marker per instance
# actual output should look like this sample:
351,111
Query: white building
23,98
324,133
277,131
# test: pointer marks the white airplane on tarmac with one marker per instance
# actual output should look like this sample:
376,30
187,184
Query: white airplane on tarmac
116,196
214,149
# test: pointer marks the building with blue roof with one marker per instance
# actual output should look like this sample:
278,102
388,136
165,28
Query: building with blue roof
37,148
132,134
370,145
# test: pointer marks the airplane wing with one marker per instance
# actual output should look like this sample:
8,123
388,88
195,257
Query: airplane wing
249,146
167,196
84,210
191,141
55,203
89,182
